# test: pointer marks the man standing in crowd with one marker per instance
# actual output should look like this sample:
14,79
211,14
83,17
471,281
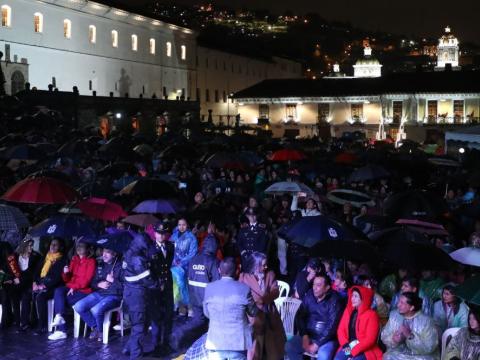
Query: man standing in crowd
409,333
106,295
253,237
160,298
318,317
227,304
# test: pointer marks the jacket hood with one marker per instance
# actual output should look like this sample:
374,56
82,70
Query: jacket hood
210,245
366,295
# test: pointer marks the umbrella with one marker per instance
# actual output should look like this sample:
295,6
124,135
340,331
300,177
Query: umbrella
358,250
471,210
148,188
346,158
287,155
101,209
241,160
143,149
141,220
24,152
400,233
310,230
356,198
424,226
65,226
41,190
12,218
158,206
118,241
441,161
283,187
467,256
469,291
119,169
75,148
369,172
414,256
414,204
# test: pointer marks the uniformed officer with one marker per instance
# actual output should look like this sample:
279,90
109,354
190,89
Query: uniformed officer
203,269
253,236
138,279
160,299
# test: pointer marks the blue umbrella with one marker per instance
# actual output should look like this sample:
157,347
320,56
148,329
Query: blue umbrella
158,206
65,226
117,241
311,230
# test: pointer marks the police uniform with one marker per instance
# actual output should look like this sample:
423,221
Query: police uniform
160,298
251,238
138,279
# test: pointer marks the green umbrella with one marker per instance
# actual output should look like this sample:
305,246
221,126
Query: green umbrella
469,291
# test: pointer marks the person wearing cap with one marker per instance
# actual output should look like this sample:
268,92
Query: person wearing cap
77,277
252,237
107,293
160,298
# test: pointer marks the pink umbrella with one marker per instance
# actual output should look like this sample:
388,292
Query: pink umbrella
41,190
101,209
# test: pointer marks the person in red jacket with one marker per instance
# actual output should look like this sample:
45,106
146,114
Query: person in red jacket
77,278
359,327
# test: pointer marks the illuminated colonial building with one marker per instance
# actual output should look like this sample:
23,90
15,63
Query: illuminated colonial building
447,51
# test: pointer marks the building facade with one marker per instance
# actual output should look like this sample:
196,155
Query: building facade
97,48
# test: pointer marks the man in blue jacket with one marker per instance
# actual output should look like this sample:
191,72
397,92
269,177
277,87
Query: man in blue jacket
318,317
107,294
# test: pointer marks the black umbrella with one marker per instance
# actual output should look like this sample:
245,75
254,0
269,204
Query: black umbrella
117,169
369,172
118,241
359,250
149,188
415,204
65,226
398,233
24,152
310,230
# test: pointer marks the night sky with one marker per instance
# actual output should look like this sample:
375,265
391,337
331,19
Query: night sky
418,17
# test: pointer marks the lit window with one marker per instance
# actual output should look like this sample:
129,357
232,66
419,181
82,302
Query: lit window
184,52
92,34
67,29
38,22
115,38
152,46
6,16
134,42
169,49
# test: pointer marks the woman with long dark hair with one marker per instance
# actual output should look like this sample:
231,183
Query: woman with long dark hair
269,336
465,345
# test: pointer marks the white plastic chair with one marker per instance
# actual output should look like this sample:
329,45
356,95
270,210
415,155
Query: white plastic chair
50,310
1,313
446,337
77,321
288,307
107,320
284,288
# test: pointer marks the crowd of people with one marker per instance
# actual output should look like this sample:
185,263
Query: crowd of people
216,259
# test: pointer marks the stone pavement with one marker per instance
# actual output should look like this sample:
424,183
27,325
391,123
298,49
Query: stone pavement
16,345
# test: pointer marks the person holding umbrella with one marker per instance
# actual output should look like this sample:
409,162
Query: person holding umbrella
77,277
107,293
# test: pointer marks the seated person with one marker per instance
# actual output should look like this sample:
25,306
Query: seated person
409,333
450,311
106,295
465,344
318,318
77,278
304,279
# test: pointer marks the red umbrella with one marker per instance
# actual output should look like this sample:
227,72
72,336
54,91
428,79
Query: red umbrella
101,209
346,158
41,190
287,155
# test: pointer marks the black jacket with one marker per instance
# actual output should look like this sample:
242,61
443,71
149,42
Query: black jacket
161,265
53,278
319,319
27,276
203,269
103,269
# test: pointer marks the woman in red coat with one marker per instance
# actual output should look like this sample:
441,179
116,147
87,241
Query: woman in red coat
359,327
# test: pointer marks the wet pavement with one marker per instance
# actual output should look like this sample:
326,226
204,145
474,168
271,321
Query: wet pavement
15,345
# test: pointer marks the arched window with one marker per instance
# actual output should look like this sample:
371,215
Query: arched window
152,46
115,38
184,52
18,82
67,29
92,34
134,42
6,16
169,49
38,22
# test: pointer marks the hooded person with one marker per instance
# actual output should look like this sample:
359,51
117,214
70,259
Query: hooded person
359,327
138,280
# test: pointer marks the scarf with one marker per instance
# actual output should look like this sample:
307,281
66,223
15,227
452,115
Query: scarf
49,261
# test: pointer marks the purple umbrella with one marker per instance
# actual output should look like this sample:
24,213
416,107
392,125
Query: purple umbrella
158,206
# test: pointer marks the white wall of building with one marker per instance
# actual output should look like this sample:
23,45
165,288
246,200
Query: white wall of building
76,61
